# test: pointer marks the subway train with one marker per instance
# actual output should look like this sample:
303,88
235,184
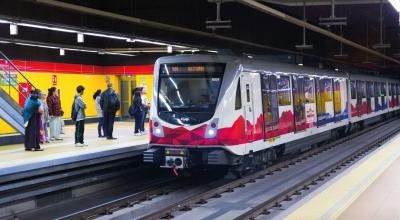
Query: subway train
237,112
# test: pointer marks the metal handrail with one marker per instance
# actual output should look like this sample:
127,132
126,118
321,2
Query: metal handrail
9,85
16,68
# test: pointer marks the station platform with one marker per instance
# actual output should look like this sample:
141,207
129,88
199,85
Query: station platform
16,162
369,189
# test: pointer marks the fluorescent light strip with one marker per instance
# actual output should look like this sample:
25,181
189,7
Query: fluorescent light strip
127,39
69,49
150,42
52,28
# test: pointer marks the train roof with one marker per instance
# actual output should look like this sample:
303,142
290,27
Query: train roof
256,64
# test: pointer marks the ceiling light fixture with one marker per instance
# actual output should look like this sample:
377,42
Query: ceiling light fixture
80,38
395,4
13,29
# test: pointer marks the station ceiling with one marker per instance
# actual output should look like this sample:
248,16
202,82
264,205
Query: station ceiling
262,33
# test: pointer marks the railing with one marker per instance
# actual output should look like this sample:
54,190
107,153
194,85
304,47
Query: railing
9,75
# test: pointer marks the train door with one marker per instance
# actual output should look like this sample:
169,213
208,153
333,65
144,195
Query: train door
353,98
370,98
270,105
384,98
248,105
390,95
337,102
377,98
304,102
361,98
396,85
325,110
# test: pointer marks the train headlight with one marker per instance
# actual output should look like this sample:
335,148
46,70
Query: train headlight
157,129
212,129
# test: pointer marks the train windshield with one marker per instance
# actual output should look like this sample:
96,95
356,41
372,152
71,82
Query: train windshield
188,92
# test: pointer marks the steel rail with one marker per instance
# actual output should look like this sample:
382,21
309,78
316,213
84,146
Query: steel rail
262,208
160,188
185,205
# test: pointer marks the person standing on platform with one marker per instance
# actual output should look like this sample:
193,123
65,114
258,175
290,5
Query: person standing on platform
32,113
110,104
100,126
45,118
146,107
54,104
138,112
62,122
79,107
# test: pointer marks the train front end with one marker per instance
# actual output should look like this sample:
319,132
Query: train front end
183,120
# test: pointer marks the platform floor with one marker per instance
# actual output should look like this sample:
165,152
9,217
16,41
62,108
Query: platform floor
369,189
14,158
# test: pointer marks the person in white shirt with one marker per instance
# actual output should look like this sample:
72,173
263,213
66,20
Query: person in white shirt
146,106
99,111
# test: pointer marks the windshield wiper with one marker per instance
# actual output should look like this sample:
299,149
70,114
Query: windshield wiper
180,114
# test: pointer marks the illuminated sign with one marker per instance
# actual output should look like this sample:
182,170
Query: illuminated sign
184,68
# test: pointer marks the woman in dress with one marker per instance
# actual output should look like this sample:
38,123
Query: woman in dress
100,126
32,116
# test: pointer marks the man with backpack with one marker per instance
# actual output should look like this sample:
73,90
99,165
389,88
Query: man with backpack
110,104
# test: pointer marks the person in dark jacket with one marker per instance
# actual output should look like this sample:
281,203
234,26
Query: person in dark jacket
110,104
79,106
138,112
32,118
54,104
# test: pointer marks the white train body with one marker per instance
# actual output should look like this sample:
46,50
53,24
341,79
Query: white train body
219,110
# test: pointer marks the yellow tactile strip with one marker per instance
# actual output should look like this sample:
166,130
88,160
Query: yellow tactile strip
14,155
338,196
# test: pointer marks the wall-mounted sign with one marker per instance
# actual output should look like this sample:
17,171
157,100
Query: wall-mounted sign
8,79
54,80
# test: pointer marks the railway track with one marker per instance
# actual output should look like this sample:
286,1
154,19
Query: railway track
157,188
197,200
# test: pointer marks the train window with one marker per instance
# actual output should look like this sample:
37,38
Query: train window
324,95
370,89
390,89
270,102
299,100
284,90
309,90
248,92
337,105
238,100
377,89
383,89
353,89
361,89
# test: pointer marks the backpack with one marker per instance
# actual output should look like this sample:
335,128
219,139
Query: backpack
131,110
74,112
113,102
